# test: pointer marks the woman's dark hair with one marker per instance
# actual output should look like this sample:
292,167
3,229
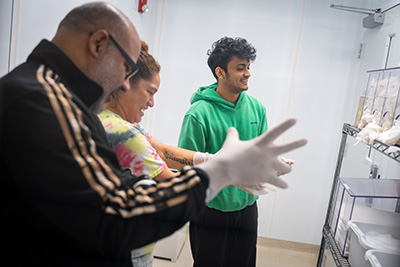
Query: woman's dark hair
222,51
148,66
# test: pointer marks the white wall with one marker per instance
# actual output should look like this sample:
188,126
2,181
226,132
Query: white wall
39,19
372,58
374,40
306,67
5,31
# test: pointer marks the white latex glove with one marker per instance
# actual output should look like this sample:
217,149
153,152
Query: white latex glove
249,162
257,189
391,136
264,188
200,157
290,162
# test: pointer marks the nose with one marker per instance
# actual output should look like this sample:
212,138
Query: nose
247,73
126,85
151,102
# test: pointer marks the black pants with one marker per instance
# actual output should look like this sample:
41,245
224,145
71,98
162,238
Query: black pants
224,239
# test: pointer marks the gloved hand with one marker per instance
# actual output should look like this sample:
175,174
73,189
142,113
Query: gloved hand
290,162
249,162
264,188
257,189
200,157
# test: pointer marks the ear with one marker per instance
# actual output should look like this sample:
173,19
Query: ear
220,73
98,43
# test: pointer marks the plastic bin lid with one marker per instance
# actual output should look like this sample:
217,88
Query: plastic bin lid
377,188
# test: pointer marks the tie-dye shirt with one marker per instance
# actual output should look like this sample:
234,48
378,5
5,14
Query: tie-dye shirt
132,145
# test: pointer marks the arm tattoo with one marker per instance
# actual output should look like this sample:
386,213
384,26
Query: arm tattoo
183,161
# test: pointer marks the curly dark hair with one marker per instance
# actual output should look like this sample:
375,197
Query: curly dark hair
222,51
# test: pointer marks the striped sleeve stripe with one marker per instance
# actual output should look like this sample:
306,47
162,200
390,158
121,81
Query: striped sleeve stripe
73,134
160,199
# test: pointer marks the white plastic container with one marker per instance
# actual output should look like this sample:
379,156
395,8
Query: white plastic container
366,236
381,258
359,199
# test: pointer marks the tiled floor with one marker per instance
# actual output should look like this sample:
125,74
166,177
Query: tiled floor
270,253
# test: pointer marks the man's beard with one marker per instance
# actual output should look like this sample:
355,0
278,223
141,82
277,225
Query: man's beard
99,105
105,75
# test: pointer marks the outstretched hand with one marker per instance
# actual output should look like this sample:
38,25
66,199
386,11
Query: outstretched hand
250,162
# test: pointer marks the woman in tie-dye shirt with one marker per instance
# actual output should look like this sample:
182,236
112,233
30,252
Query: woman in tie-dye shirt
135,148
132,145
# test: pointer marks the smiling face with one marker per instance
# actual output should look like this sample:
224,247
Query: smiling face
237,75
138,95
139,98
234,80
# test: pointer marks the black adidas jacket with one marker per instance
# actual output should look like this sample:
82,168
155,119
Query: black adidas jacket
66,200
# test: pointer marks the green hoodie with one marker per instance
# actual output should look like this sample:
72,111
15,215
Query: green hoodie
204,129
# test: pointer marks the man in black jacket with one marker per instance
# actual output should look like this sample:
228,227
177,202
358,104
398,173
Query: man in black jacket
66,200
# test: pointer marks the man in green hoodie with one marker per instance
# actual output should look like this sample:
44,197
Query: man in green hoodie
225,234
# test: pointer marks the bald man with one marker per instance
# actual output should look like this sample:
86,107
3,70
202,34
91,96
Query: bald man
66,200
85,37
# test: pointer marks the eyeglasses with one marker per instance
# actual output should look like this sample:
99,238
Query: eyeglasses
132,69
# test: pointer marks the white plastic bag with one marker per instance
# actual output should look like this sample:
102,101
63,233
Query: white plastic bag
370,132
391,136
